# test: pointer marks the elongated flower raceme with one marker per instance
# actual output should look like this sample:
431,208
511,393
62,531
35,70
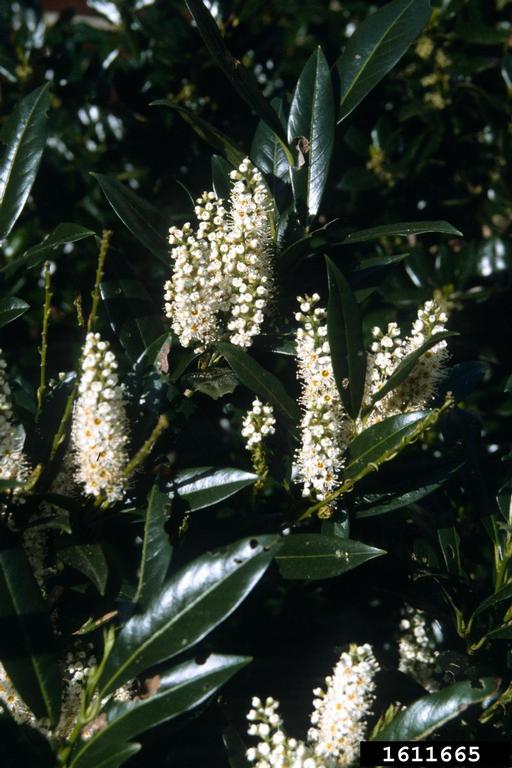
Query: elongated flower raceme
99,432
222,278
258,423
417,647
324,426
13,463
338,722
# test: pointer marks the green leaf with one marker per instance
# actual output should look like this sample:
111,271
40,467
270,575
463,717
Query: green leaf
143,220
197,599
178,691
335,233
242,80
408,364
505,593
345,330
252,375
375,47
312,117
403,229
88,559
206,131
449,541
10,308
220,175
27,646
215,381
132,315
24,135
266,150
316,556
386,437
431,712
108,755
201,487
33,257
156,548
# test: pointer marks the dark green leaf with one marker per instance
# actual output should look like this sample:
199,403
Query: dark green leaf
24,135
258,380
404,229
345,329
462,379
177,692
407,365
386,437
108,754
312,117
90,560
266,150
33,257
156,548
449,541
221,179
142,219
504,500
27,647
215,381
242,79
315,556
192,604
207,132
11,308
203,486
431,712
505,593
375,47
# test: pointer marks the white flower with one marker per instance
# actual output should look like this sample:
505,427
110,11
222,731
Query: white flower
325,428
13,463
417,647
99,431
222,277
258,423
340,713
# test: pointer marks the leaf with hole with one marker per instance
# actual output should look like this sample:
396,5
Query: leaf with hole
192,603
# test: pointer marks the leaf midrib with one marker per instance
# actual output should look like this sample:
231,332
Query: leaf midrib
380,442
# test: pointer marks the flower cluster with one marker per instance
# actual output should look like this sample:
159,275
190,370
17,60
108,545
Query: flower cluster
340,715
222,278
338,720
99,430
11,701
13,463
258,423
324,426
417,648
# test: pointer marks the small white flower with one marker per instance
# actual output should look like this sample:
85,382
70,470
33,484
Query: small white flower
258,422
13,463
417,647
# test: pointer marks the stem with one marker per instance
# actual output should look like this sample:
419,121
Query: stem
104,246
43,351
145,450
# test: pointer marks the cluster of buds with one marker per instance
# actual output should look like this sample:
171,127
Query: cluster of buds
417,647
339,719
222,277
257,425
99,433
13,463
324,426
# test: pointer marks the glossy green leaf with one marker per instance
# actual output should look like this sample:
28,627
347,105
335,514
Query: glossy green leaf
143,220
107,754
201,487
33,257
312,117
10,308
505,593
316,556
133,315
215,381
266,150
408,364
27,645
345,330
178,691
252,375
24,135
449,541
198,598
462,379
215,138
220,175
375,47
386,437
404,229
242,79
88,559
156,548
431,712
